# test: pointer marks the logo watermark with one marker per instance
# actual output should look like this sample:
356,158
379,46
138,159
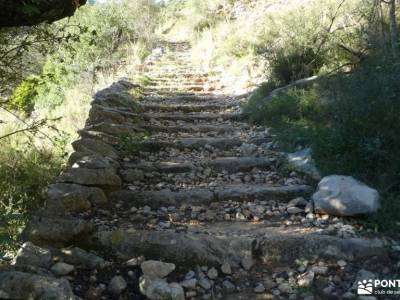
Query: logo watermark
378,287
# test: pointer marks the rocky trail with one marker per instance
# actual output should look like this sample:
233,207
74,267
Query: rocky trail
172,196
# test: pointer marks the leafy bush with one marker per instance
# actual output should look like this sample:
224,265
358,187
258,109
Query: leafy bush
360,134
289,67
24,172
23,98
290,115
351,123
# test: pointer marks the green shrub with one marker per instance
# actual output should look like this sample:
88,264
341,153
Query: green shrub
24,173
360,135
23,97
301,63
290,115
351,121
133,143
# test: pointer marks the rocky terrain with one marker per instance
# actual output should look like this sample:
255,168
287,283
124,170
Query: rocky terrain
169,195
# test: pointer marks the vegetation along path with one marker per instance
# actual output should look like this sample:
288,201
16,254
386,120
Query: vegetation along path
173,197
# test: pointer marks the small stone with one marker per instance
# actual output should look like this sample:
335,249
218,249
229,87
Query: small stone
342,263
247,262
298,202
78,256
212,273
156,289
176,291
62,269
228,286
285,288
294,210
226,268
156,269
94,293
240,217
117,285
205,283
306,279
320,270
328,290
259,288
189,283
189,275
248,149
191,294
136,261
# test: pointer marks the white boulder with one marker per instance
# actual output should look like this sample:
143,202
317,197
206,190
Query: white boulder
345,196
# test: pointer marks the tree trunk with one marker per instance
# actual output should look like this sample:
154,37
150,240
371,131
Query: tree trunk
393,28
382,32
31,12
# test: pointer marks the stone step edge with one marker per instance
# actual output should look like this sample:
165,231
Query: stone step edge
273,248
204,196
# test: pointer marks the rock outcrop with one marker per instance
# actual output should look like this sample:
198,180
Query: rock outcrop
28,13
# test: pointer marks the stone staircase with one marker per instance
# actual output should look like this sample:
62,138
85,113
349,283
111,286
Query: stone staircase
175,176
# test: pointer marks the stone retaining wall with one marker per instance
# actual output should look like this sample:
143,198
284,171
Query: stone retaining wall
92,172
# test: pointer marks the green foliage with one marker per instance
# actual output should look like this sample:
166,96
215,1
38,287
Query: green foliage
297,40
24,95
290,114
351,123
24,172
133,143
360,134
288,67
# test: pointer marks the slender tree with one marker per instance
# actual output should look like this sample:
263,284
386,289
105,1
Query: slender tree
393,28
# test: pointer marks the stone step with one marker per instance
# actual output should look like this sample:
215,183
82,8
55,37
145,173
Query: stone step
229,164
178,87
189,128
193,117
194,99
218,243
184,108
205,196
193,143
132,128
177,90
100,113
175,75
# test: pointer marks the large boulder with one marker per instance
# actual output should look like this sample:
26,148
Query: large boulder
20,285
345,196
82,258
73,197
95,146
55,230
104,178
32,255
